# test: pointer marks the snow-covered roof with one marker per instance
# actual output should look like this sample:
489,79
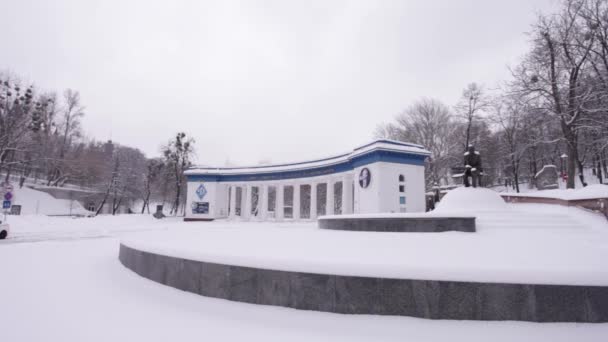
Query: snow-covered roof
383,144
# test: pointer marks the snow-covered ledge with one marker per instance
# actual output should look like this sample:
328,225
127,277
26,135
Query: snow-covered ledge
593,197
434,299
410,223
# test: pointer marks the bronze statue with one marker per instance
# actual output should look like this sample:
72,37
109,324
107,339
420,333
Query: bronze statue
472,164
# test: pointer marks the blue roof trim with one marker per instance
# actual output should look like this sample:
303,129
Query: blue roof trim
368,158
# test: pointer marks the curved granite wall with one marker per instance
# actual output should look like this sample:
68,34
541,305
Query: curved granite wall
400,224
377,296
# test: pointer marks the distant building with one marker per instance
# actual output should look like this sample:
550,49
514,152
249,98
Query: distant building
384,176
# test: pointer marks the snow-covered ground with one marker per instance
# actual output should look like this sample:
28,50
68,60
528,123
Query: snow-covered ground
74,291
60,278
525,187
38,202
590,192
31,228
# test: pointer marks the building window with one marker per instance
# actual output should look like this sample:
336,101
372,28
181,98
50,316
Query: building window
401,178
238,196
272,200
401,188
287,202
402,200
255,199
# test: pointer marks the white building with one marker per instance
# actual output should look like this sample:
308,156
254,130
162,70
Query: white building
384,176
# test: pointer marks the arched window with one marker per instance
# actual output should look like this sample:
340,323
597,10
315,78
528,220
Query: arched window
401,178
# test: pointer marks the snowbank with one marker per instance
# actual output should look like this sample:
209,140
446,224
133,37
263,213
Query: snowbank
469,200
589,192
38,202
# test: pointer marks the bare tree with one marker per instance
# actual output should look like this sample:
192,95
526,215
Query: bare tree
554,71
470,107
177,154
154,168
16,108
427,122
508,115
72,113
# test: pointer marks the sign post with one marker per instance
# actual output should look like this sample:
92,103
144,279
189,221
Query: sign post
7,189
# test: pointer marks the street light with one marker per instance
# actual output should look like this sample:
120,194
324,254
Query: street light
562,159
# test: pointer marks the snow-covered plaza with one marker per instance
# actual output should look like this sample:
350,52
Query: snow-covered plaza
62,280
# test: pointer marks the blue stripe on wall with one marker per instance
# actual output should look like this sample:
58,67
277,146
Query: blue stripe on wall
372,157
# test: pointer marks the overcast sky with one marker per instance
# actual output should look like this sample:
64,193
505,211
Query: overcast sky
259,80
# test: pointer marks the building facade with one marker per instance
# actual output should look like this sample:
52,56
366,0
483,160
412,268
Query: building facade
384,176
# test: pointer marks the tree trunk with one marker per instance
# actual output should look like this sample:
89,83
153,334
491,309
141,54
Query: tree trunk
515,167
599,170
103,202
581,175
116,205
466,146
146,202
178,193
604,165
571,167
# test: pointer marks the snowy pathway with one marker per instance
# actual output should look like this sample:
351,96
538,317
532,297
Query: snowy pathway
78,291
67,285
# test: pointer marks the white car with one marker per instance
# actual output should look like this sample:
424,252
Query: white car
4,229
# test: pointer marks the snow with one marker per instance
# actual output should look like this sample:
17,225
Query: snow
592,191
468,200
543,169
61,298
29,228
76,290
590,179
38,202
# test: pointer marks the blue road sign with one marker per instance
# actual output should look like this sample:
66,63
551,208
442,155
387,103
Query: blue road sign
6,204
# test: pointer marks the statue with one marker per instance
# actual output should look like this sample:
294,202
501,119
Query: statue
472,164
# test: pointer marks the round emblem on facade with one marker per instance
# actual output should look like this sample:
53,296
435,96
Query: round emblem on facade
365,177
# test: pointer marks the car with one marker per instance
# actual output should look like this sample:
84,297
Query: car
4,228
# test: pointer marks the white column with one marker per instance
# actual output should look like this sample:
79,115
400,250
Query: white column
232,213
347,195
313,200
278,210
296,201
329,206
246,209
263,202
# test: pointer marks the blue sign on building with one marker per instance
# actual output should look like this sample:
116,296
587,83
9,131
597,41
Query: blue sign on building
201,191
